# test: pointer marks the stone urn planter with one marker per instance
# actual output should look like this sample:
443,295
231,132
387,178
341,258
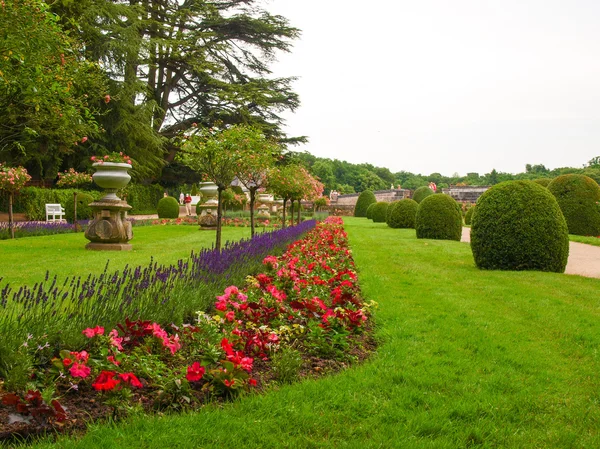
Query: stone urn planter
109,229
208,217
111,176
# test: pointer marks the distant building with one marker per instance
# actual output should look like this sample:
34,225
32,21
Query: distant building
465,194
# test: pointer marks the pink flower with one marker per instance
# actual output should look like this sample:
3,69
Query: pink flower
107,98
230,316
195,372
91,332
84,139
80,370
115,340
111,359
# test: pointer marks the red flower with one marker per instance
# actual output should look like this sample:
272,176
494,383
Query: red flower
195,372
131,379
252,382
111,359
228,383
106,381
67,362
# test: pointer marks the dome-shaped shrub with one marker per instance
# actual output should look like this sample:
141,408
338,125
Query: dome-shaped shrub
577,197
439,217
543,181
168,207
402,214
421,193
369,213
469,215
84,212
365,199
519,226
379,211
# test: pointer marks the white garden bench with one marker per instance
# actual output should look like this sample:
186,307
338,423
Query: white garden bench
55,212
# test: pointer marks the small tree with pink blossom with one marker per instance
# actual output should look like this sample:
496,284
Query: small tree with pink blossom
12,179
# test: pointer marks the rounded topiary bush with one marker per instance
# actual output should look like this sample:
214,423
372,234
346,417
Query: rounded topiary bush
402,214
543,181
369,213
439,217
379,211
168,207
469,215
421,193
84,211
519,226
577,197
365,199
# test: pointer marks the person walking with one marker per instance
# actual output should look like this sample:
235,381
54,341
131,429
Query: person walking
181,198
188,204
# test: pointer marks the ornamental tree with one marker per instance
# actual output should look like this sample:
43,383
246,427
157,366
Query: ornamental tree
260,154
12,179
47,90
216,155
282,182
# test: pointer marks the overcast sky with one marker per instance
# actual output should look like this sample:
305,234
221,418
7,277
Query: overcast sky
446,85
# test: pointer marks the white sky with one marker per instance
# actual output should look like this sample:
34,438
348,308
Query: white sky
446,85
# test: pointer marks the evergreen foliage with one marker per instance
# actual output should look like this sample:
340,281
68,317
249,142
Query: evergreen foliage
369,213
365,199
402,214
578,197
519,226
168,207
84,211
421,193
544,182
143,198
379,211
469,215
439,217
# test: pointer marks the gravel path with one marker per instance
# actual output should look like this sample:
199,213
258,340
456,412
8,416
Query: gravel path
584,260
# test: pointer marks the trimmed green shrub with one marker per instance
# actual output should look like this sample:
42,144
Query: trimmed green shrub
142,198
469,215
402,214
543,181
168,207
389,210
421,193
84,212
379,211
439,217
365,199
369,213
519,226
577,197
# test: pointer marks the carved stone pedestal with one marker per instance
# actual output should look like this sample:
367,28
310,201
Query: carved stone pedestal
109,230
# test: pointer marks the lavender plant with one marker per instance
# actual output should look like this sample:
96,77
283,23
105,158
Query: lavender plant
167,294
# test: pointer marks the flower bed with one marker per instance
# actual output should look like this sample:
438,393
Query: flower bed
300,315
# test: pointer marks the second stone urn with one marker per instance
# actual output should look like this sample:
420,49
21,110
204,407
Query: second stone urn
109,229
208,215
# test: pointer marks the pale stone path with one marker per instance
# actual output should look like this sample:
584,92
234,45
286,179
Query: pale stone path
584,260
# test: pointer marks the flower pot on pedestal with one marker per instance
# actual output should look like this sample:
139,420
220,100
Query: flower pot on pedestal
109,229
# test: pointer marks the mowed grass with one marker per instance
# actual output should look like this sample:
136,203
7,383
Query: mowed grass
25,261
467,358
595,241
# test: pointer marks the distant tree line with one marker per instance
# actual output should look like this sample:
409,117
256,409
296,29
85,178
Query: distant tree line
346,177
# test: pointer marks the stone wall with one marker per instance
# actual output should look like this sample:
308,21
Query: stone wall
465,194
349,200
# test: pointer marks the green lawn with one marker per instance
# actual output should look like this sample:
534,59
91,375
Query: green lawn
582,239
25,260
468,358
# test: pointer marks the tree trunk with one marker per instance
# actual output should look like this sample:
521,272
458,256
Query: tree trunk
219,213
11,223
292,212
252,200
283,223
299,211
